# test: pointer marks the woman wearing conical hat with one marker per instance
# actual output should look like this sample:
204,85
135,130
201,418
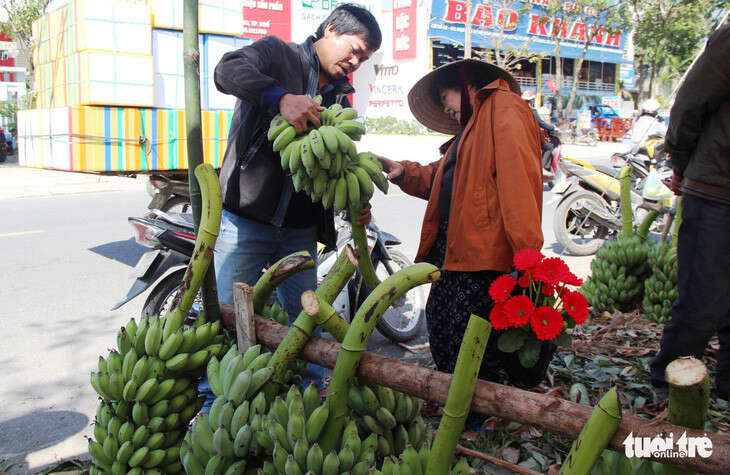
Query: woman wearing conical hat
484,196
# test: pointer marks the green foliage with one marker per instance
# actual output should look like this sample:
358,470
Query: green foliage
394,126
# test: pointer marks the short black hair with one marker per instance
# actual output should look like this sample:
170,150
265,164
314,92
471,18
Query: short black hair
350,19
449,78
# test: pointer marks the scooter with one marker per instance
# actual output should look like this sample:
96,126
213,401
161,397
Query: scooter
589,209
171,238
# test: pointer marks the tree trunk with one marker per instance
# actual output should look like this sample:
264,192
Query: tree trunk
547,412
576,73
193,134
558,80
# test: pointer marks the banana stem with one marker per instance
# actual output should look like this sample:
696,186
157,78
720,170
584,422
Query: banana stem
677,221
643,231
276,274
595,436
363,253
204,245
627,214
324,315
356,341
461,392
300,331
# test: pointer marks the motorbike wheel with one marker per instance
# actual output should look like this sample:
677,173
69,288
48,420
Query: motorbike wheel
178,204
160,298
577,234
402,320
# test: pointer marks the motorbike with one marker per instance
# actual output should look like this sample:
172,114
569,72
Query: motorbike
169,192
171,238
589,210
555,174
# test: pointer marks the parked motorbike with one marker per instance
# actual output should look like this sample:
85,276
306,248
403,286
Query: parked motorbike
589,209
171,237
169,192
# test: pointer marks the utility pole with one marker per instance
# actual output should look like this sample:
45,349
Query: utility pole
467,31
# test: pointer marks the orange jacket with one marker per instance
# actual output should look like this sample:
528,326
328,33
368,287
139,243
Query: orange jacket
496,206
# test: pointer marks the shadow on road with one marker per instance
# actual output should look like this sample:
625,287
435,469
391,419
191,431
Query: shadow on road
127,252
26,434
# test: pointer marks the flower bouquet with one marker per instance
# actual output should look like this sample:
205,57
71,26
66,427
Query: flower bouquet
536,307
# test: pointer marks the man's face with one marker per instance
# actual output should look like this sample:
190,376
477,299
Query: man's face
340,55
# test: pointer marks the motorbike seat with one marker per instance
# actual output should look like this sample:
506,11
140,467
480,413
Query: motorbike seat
608,170
183,220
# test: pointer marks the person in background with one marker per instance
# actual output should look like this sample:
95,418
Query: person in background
264,219
648,123
550,138
484,196
699,147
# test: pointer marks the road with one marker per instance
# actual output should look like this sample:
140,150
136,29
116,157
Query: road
67,252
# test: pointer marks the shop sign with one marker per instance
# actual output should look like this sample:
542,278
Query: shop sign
404,29
262,18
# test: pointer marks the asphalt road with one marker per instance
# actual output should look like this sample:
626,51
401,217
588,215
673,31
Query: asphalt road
67,252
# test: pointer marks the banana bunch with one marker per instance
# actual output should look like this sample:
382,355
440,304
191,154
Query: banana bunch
276,313
393,416
618,271
223,440
324,161
660,289
291,431
148,388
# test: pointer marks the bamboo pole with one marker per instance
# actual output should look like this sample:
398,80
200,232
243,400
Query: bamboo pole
689,392
627,214
194,141
355,342
594,437
461,391
546,412
276,274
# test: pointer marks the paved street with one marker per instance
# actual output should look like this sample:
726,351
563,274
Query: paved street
66,251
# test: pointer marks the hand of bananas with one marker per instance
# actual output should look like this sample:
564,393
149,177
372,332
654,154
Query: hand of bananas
148,390
660,289
324,161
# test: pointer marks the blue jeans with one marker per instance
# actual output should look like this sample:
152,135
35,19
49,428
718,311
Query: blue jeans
244,247
703,307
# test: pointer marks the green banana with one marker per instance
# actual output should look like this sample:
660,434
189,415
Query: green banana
315,458
352,128
170,346
329,137
276,127
353,191
283,139
138,457
153,338
316,422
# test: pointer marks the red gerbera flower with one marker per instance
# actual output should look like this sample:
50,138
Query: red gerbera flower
572,279
548,290
527,259
576,305
501,288
551,270
524,281
518,310
498,318
547,323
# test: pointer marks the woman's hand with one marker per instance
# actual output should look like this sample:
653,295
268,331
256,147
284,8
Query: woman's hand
364,218
392,168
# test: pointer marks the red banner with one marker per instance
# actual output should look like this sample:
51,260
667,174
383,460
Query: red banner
262,18
404,29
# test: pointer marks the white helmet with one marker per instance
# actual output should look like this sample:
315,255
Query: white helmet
650,106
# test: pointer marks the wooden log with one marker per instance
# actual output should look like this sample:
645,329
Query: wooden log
243,305
549,413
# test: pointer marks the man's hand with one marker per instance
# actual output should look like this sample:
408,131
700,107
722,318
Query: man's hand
392,168
674,183
364,218
299,110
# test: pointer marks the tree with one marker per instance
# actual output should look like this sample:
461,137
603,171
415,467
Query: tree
601,17
20,16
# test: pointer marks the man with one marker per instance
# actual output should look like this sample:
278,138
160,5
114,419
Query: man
264,219
547,144
698,144
648,123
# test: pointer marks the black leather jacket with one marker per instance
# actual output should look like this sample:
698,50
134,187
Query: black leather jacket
252,181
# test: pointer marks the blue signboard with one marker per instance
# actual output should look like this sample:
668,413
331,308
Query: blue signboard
448,19
627,74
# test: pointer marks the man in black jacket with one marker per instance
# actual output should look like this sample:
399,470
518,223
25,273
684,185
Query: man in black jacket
699,146
264,219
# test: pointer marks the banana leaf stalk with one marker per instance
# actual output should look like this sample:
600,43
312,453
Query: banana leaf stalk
627,215
595,436
677,220
276,274
356,341
643,231
689,392
303,326
324,315
204,246
360,238
461,392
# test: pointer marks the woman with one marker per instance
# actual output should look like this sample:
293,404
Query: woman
484,195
